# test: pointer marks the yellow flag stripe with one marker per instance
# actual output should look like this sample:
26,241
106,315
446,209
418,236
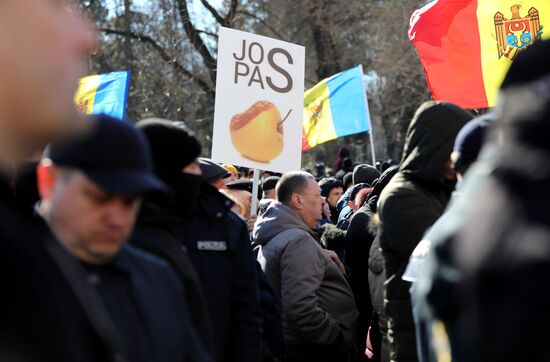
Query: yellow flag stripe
85,96
318,123
495,68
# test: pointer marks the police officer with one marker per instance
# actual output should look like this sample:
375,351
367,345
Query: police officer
217,241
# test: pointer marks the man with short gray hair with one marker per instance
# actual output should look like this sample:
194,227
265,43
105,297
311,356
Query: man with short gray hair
319,310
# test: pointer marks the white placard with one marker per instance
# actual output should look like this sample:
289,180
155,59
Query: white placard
259,102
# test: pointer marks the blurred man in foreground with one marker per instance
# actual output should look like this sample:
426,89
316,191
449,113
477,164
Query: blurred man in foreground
91,189
490,260
44,48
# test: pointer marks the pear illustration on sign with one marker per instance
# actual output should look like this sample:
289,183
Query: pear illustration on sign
258,132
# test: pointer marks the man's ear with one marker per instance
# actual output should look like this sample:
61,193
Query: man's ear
296,201
351,204
46,174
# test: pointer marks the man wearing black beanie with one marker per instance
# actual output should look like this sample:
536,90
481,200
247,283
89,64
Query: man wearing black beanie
175,152
205,242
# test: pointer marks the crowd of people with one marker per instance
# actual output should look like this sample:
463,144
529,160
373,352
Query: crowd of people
119,242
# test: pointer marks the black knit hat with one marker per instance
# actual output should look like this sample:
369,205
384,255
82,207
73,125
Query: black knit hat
172,145
329,183
365,174
470,139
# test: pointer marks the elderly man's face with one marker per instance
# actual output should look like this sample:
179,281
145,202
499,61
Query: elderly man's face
312,204
90,223
44,45
245,200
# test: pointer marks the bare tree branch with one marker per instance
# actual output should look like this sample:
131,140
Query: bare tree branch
213,11
228,20
213,35
196,40
232,13
179,68
263,22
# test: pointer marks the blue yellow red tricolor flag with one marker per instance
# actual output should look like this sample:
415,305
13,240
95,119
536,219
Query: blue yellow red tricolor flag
104,93
335,107
467,46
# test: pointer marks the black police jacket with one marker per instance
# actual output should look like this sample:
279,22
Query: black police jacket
219,246
158,232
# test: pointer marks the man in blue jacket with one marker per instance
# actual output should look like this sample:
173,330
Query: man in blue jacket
91,188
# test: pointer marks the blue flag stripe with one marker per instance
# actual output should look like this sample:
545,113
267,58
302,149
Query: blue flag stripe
348,102
112,93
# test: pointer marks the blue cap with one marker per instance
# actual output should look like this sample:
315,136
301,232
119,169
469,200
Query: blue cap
113,154
470,140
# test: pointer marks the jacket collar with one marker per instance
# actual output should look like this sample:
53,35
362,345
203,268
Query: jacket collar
214,203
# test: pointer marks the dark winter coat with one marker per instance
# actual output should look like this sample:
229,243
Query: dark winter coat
41,318
377,277
158,232
272,325
219,246
159,298
358,242
413,201
490,263
318,307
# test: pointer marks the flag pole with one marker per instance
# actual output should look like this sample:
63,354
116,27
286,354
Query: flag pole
371,137
255,187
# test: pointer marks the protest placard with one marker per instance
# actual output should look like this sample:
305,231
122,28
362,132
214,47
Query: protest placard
259,102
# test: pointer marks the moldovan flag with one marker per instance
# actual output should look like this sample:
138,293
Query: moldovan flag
335,107
467,46
104,93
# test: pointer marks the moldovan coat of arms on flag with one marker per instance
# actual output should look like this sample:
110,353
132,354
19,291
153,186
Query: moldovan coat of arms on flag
517,33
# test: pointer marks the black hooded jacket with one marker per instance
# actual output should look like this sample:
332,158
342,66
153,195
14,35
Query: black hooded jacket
412,202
